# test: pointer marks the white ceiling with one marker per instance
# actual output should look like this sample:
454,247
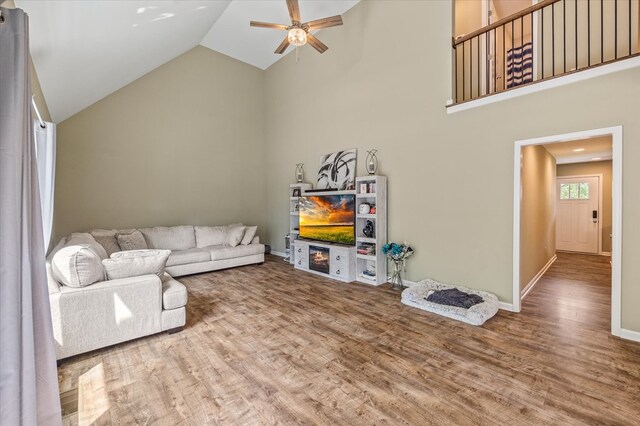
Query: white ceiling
233,36
85,50
581,151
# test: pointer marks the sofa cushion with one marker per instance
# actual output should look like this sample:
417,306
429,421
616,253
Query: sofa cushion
81,238
249,233
234,235
210,235
132,241
170,238
174,293
192,255
226,252
77,265
134,263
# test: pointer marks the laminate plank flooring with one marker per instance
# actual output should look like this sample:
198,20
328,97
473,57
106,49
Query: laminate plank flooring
272,345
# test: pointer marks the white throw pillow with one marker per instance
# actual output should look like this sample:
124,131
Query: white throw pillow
234,235
134,263
210,235
84,238
77,265
249,233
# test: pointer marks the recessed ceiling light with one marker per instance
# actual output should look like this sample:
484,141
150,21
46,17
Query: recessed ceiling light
596,158
578,150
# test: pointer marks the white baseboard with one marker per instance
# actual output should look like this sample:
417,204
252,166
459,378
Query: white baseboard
506,306
630,335
277,253
537,277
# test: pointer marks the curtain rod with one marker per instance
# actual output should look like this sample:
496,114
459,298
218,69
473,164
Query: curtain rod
35,107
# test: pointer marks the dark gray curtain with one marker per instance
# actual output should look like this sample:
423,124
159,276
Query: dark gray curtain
28,376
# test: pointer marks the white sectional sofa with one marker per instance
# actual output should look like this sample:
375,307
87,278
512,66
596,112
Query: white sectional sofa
103,313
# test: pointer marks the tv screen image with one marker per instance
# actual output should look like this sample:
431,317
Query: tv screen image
329,218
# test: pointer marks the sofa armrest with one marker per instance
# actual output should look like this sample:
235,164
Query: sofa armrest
256,240
105,313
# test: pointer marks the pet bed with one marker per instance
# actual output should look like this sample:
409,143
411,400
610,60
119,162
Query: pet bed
416,296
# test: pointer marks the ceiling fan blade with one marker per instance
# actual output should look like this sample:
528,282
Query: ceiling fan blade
294,10
316,44
332,21
267,25
283,46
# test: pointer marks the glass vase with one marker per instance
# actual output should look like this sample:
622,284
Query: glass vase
396,275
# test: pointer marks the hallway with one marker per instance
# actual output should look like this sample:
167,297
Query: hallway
575,293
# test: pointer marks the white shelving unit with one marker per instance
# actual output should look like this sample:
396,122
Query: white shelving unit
374,193
294,214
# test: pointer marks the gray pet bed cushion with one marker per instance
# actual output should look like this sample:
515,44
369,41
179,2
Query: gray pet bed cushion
476,315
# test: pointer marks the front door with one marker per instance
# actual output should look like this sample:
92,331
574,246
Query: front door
578,217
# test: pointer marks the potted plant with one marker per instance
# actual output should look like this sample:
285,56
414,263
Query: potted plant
398,254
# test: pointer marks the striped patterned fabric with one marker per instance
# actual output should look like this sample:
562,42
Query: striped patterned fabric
520,65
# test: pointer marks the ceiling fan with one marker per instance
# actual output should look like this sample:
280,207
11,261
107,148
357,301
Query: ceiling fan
298,33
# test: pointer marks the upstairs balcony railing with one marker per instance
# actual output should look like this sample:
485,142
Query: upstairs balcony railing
547,40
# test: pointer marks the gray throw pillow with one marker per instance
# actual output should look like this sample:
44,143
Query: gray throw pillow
133,241
135,263
109,243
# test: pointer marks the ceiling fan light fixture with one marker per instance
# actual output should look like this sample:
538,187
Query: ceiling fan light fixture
297,37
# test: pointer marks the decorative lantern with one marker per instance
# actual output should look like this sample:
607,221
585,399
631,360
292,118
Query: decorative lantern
299,173
372,162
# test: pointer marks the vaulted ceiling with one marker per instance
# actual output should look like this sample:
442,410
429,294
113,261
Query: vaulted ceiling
86,50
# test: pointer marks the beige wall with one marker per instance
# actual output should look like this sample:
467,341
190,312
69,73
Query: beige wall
592,168
538,212
450,176
181,145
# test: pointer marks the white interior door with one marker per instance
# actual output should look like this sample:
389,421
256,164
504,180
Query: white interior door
578,217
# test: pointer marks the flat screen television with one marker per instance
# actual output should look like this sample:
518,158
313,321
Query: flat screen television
328,218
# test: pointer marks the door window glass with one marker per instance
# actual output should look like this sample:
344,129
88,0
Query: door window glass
574,191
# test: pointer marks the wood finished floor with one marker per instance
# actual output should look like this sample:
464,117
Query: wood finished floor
272,345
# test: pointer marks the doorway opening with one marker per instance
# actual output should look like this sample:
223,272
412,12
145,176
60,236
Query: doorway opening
568,205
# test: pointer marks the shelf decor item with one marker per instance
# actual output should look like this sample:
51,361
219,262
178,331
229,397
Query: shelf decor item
299,173
338,170
398,254
369,230
372,162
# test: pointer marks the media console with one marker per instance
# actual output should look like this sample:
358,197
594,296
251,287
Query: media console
365,262
333,260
